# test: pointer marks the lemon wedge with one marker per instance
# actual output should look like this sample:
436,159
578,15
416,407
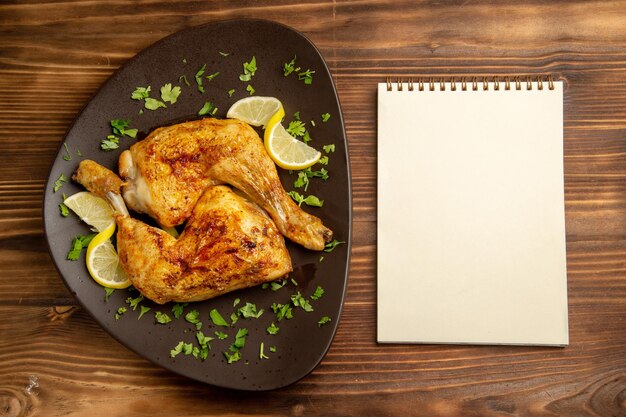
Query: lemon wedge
254,110
285,150
103,263
93,210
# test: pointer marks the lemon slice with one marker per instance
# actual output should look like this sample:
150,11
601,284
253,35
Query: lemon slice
103,263
285,150
254,110
93,210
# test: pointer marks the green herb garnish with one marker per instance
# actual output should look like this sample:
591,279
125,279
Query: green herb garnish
323,321
299,301
78,244
262,355
198,78
272,329
325,117
134,302
120,312
329,148
59,183
107,293
161,318
183,79
332,245
323,160
177,309
208,108
249,69
64,210
306,76
249,310
67,156
282,311
110,143
170,94
211,76
231,92
221,335
310,200
296,128
319,292
153,104
217,318
144,310
250,89
193,318
141,93
290,67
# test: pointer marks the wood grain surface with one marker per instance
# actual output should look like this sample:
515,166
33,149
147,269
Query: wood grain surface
56,361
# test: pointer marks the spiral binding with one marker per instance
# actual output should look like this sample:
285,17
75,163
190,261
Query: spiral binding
516,82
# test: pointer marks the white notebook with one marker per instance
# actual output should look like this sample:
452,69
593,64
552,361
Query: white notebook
471,222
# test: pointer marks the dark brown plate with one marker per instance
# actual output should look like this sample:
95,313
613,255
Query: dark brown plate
301,343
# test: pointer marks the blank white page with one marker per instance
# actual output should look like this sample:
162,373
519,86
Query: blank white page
471,222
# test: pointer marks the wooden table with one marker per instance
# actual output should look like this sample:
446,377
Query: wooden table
55,360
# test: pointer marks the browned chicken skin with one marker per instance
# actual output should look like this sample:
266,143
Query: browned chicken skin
228,243
168,171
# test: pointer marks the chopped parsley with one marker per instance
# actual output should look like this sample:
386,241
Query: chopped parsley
198,78
211,76
112,142
67,156
233,353
332,245
233,318
170,94
183,79
282,311
231,92
162,318
120,311
65,211
250,89
323,321
262,355
249,69
134,302
178,349
290,67
310,200
299,301
120,127
306,76
78,244
325,117
250,311
107,293
208,108
141,93
217,318
221,335
144,310
296,128
329,148
177,309
319,292
323,160
304,175
59,183
272,329
193,318
203,341
273,349
275,285
236,302
153,104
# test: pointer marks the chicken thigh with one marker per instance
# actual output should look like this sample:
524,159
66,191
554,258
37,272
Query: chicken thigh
228,243
166,173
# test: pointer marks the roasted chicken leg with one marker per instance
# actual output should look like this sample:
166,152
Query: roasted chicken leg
228,243
168,171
